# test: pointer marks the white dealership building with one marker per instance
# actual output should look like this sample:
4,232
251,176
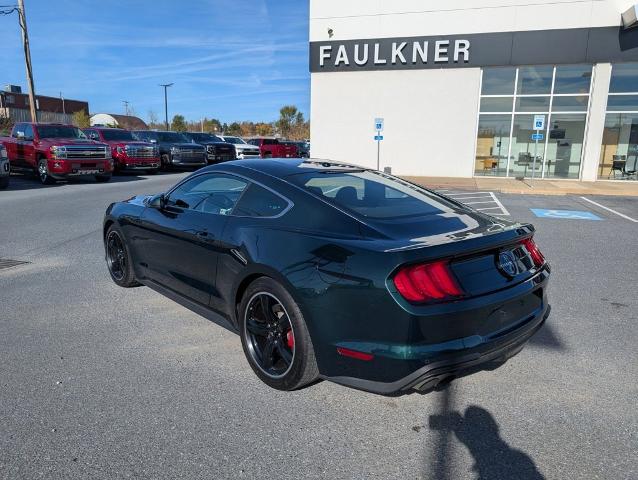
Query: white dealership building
477,87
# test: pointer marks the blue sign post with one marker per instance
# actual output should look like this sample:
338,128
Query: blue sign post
539,124
379,123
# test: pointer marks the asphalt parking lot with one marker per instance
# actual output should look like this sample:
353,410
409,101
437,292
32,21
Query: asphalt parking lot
102,382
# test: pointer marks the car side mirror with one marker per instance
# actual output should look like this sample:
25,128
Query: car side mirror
158,202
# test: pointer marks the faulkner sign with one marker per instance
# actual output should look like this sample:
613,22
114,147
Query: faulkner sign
576,45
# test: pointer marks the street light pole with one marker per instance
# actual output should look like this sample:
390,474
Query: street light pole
166,85
27,59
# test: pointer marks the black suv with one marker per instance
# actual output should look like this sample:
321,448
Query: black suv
217,150
175,149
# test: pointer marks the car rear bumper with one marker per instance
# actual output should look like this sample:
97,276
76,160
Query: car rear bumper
472,354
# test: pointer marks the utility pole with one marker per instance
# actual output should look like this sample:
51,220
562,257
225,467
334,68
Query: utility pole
126,102
27,59
63,106
166,85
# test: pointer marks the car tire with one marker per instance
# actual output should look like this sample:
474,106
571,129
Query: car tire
118,258
288,339
43,172
267,155
103,178
4,183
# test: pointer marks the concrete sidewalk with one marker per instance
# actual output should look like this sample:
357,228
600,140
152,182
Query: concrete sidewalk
625,188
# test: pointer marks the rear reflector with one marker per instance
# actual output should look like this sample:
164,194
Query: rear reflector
346,352
534,252
427,282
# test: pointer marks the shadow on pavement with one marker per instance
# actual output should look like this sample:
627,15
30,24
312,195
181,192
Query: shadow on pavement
546,337
479,432
29,182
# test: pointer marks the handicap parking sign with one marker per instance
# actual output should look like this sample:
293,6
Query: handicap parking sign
565,214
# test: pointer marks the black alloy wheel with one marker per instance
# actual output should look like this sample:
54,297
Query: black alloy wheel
118,259
275,337
270,338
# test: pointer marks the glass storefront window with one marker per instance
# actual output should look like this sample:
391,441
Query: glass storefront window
497,104
624,78
572,79
565,145
622,103
561,93
619,152
532,104
570,104
535,80
493,144
498,81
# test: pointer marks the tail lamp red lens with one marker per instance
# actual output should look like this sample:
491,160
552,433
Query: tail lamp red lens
534,252
427,282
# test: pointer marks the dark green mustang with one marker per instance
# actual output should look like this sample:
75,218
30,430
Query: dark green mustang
334,271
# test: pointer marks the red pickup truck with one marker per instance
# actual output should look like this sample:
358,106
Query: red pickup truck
273,148
127,152
56,152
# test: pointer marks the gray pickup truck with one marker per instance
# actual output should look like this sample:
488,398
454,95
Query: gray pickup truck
5,169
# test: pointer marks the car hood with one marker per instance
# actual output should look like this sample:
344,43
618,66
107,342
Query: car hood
183,145
138,200
69,141
116,143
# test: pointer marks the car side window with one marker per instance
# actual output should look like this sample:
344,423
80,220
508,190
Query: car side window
28,132
259,202
209,193
18,128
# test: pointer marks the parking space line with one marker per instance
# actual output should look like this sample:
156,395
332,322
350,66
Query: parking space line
464,193
471,198
610,210
500,204
476,203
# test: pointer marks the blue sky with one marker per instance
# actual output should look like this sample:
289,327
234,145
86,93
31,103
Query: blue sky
229,59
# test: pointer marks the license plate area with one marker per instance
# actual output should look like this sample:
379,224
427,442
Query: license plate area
509,315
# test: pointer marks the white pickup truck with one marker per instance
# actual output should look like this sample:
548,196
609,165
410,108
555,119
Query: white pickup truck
5,169
243,150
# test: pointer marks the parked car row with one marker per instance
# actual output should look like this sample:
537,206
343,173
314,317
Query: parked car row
57,152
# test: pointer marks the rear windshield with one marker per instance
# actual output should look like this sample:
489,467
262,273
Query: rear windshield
172,137
59,131
115,135
372,194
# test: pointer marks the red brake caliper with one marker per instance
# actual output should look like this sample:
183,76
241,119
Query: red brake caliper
290,339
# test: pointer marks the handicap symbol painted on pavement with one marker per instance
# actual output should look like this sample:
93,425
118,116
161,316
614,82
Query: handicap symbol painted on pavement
565,214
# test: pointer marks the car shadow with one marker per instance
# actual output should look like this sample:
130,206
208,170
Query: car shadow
477,429
548,338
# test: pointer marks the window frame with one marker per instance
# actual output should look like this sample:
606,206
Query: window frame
248,181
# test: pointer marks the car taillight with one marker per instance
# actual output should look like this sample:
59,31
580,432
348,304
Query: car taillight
427,282
534,252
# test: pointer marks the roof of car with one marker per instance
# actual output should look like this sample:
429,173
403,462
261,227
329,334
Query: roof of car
283,167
